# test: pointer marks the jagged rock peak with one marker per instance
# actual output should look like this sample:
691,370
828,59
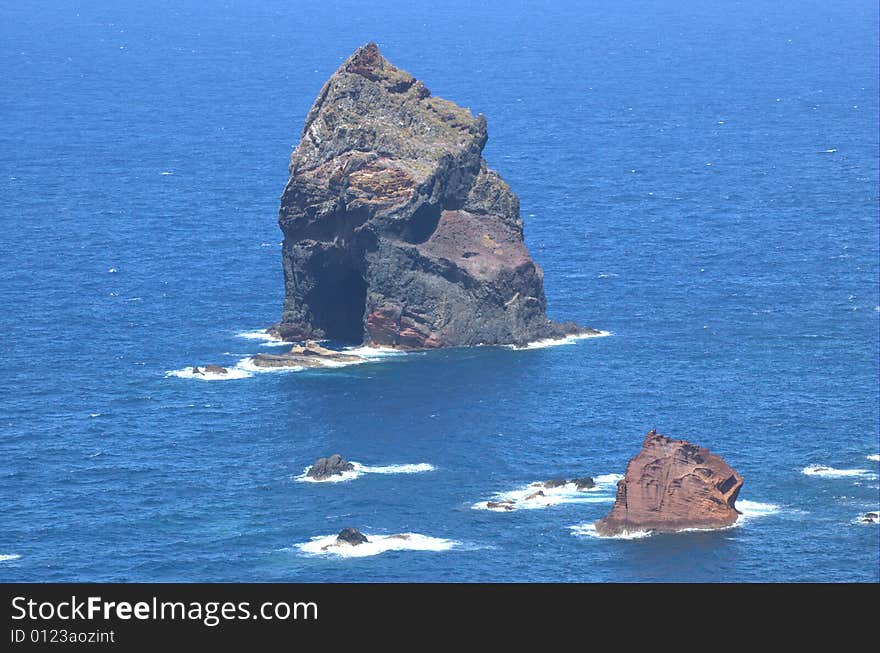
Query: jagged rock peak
396,233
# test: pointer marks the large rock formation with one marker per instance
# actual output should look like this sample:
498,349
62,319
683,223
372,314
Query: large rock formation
395,232
672,485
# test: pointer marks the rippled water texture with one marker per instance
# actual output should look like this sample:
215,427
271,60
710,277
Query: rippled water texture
700,180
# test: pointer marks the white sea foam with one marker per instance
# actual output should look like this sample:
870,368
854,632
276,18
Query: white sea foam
875,457
831,472
753,509
395,469
327,545
9,556
555,342
860,521
360,469
607,479
589,530
95,414
348,475
264,337
166,173
373,353
247,365
749,509
234,372
569,493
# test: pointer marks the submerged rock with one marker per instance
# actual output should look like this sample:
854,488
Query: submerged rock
396,233
870,518
672,485
326,467
351,536
507,504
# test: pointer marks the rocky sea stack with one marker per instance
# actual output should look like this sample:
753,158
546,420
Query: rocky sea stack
673,485
396,233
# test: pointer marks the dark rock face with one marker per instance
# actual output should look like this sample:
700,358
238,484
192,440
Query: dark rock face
672,485
870,518
395,232
326,467
351,536
210,369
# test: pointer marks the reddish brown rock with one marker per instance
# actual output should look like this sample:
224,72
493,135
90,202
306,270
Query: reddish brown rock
673,485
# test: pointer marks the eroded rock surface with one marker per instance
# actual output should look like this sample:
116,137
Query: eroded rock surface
396,233
673,485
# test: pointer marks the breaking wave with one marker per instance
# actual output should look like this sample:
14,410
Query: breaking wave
234,372
589,530
264,337
830,472
326,545
860,520
524,498
875,457
555,342
9,556
749,510
360,469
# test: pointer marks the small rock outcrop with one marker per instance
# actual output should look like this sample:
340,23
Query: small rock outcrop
673,485
324,468
351,536
396,233
311,354
583,483
870,518
210,369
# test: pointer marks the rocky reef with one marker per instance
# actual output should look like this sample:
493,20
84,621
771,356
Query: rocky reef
670,486
396,233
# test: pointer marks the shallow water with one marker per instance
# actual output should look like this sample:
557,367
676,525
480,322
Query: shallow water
700,181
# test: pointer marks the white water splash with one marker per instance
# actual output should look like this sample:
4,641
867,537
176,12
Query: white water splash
235,372
359,470
327,545
749,510
264,337
556,342
569,493
830,472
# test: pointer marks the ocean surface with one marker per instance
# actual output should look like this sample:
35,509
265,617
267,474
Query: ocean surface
698,179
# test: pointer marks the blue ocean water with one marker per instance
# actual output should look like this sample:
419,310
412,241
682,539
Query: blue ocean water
699,179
